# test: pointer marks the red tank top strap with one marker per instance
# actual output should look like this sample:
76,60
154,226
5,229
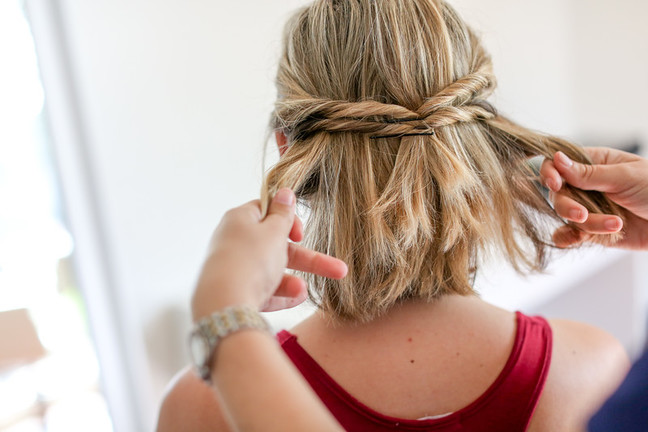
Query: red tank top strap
507,405
283,336
513,397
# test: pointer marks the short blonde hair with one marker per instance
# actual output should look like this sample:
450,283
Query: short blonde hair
409,173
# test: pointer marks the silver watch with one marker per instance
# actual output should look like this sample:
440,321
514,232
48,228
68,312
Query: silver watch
209,331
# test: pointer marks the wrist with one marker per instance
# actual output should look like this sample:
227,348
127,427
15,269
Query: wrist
204,305
217,294
210,331
238,345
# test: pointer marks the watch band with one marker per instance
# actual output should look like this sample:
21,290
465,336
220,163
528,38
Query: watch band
210,330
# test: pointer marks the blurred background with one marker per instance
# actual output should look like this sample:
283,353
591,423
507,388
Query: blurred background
127,128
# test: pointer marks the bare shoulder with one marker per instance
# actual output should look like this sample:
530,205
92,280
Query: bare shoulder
190,404
589,353
587,365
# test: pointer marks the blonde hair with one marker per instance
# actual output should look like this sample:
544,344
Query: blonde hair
409,173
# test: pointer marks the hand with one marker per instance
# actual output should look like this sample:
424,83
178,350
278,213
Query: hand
622,176
248,255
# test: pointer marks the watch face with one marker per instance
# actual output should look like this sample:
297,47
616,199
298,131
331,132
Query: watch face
199,349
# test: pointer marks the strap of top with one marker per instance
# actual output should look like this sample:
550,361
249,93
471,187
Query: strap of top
508,404
518,388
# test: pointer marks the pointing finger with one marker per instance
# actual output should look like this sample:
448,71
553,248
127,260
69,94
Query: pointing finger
306,260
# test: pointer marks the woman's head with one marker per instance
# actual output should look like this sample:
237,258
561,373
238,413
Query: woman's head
409,173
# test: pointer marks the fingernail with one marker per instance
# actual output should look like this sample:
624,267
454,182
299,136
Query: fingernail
562,160
552,184
576,215
612,224
285,196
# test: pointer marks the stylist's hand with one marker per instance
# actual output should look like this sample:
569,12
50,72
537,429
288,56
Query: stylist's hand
248,256
622,176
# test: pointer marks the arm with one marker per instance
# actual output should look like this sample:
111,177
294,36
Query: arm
256,385
191,405
261,389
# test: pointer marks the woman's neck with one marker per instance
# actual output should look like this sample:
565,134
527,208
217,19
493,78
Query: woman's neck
410,313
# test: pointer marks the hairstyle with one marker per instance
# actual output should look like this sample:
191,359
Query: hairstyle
410,175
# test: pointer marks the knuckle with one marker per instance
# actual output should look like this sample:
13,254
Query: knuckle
231,213
587,172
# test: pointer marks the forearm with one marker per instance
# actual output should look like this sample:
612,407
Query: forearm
261,389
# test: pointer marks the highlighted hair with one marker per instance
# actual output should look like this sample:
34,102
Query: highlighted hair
410,175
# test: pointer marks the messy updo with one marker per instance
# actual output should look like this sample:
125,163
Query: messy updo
410,174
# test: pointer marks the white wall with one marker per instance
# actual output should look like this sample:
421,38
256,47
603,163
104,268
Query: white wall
609,63
531,57
174,100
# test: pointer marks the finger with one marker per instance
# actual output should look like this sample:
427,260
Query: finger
306,260
601,224
550,176
568,209
290,293
290,286
281,303
606,156
297,231
604,178
281,213
567,236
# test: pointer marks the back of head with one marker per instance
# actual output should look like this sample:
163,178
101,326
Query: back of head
409,173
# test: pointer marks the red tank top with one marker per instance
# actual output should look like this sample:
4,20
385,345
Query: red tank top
507,405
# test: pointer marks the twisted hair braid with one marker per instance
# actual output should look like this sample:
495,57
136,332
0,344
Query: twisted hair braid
461,101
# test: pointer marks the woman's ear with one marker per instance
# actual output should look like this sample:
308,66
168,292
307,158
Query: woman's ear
282,142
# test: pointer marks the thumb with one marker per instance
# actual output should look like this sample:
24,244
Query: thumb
281,212
603,178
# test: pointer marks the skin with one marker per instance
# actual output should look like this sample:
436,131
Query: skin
430,372
448,352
